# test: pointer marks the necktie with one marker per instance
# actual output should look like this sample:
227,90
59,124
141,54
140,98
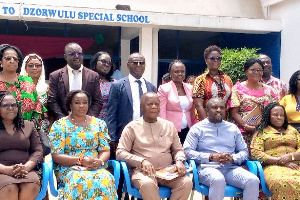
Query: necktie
140,92
75,84
140,88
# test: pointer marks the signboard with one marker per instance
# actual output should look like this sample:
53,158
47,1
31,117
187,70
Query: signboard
69,13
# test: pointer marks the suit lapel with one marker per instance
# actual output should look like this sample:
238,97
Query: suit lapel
128,89
174,92
65,78
84,78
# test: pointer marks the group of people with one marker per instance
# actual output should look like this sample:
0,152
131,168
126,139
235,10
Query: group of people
95,117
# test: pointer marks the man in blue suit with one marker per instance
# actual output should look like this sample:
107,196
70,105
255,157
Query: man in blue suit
124,98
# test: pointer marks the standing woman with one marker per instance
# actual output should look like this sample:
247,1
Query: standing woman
212,83
176,102
20,149
21,87
101,63
33,67
249,95
291,102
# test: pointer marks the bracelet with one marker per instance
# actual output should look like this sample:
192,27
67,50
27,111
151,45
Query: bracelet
80,160
293,158
102,163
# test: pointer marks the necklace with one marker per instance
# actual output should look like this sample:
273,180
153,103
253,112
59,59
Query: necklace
8,79
77,124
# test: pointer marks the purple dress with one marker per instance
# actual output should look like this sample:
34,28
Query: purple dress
104,88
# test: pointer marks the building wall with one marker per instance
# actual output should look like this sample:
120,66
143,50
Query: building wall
229,8
288,12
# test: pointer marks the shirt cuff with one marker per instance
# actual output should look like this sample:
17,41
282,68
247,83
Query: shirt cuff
204,158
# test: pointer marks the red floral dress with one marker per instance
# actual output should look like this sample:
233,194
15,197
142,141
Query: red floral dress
25,92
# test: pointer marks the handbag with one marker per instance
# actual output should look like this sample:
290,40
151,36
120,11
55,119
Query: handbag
43,137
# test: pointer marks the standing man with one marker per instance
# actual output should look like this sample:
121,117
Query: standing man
124,98
74,76
270,80
151,143
216,141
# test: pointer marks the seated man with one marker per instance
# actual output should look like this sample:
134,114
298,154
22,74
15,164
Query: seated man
151,143
220,142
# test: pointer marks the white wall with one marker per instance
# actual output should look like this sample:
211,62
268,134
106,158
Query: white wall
229,8
288,12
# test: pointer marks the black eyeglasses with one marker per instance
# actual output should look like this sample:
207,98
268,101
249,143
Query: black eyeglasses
8,58
218,58
256,70
73,54
105,62
32,65
138,62
8,105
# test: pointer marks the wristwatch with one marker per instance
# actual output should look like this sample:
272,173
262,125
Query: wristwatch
180,159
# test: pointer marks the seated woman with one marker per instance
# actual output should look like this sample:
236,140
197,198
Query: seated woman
80,148
276,144
291,101
20,151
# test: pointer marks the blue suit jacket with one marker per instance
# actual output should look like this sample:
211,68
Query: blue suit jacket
120,108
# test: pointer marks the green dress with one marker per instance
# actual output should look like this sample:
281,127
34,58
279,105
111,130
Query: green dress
27,97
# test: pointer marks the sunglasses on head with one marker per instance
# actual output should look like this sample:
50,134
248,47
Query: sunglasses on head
74,54
8,58
218,58
9,105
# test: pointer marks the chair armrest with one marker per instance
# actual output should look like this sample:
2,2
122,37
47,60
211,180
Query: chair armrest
195,173
251,166
46,173
262,179
52,183
117,169
127,178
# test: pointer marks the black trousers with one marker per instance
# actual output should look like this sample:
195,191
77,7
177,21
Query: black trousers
182,134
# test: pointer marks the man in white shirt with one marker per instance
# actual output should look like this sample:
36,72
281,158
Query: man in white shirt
74,76
124,97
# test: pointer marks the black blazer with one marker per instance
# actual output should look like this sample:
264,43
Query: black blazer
120,108
59,88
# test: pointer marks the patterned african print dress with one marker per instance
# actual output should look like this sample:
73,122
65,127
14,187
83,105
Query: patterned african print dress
72,140
206,87
25,92
247,100
283,182
104,88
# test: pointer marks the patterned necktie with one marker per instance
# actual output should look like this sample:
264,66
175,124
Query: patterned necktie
75,84
140,92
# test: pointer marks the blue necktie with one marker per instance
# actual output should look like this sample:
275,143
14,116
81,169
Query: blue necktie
140,92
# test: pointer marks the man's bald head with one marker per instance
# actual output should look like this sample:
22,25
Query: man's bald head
216,110
150,107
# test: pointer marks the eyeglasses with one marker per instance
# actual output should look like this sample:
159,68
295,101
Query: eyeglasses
7,106
32,65
73,54
138,62
256,70
218,58
8,58
105,62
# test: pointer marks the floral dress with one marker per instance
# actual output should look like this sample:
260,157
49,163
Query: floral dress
283,182
72,140
25,93
104,88
247,100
